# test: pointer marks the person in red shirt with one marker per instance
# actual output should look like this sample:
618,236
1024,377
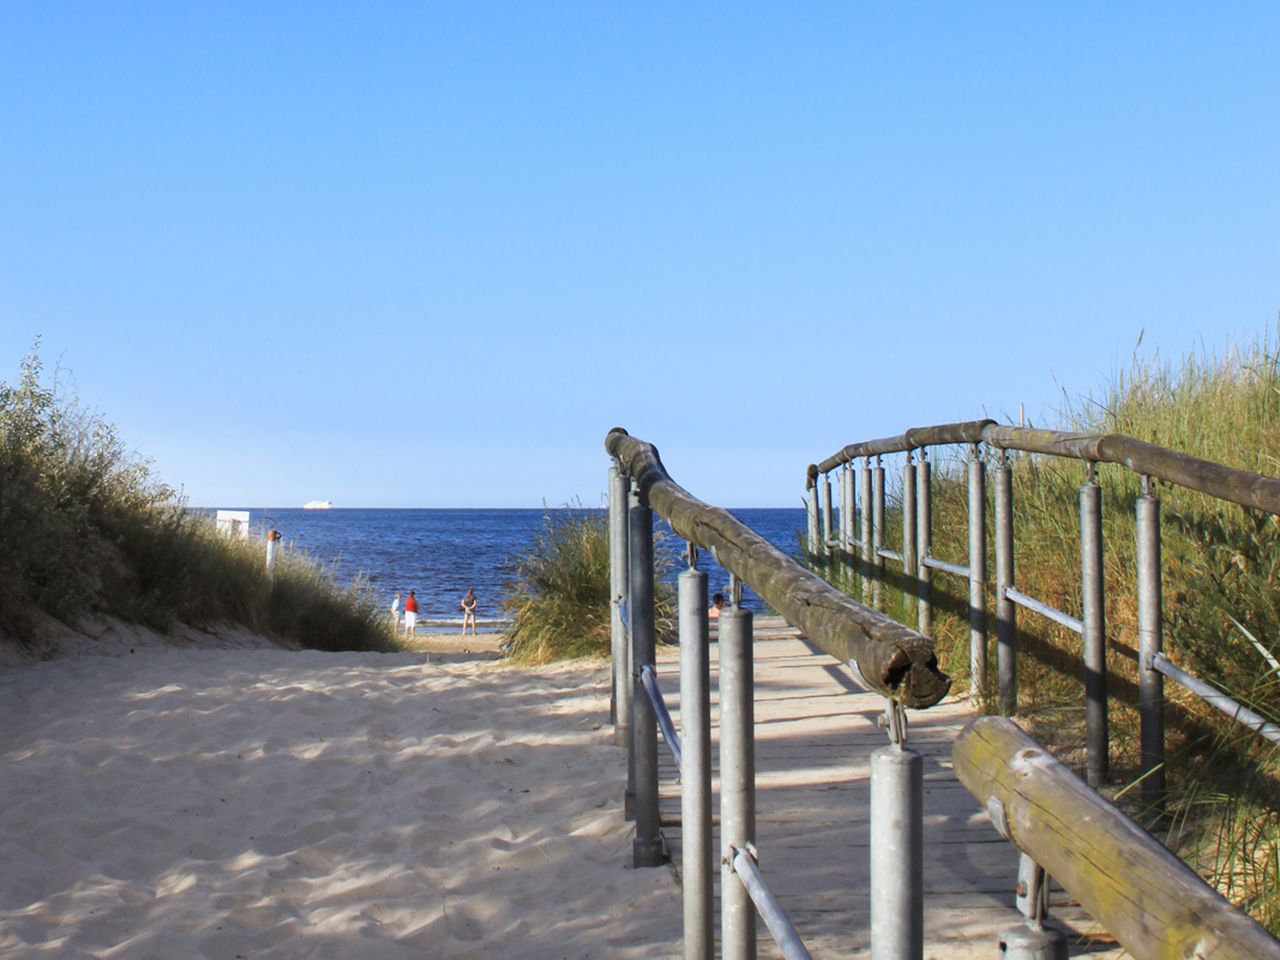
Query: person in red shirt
410,614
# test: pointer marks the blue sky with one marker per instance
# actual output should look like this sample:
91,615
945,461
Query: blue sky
427,255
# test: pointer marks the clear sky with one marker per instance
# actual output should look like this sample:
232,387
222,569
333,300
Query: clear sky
427,254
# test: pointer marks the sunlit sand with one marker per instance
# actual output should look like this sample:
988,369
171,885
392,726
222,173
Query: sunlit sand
265,803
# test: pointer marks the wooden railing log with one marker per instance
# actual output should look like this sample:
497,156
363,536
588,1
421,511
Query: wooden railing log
1244,487
893,659
1153,903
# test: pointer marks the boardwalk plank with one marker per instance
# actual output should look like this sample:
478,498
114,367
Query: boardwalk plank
815,734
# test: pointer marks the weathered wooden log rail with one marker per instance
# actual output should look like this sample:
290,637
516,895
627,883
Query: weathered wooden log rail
1156,906
1151,901
889,658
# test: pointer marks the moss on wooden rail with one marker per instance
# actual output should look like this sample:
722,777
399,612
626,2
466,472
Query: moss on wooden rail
1151,901
895,660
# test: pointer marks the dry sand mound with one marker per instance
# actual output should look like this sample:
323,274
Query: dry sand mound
268,803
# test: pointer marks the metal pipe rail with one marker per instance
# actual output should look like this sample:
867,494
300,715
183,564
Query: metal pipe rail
649,677
953,568
1154,904
784,934
896,661
1042,608
1216,698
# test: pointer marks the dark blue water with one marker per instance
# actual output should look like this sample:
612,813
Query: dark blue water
440,553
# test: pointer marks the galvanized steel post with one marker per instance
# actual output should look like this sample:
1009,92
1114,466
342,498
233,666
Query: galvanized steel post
1006,612
633,671
737,780
814,530
827,525
619,495
1095,631
647,846
897,853
695,767
910,584
1150,643
977,574
848,499
924,541
877,537
868,551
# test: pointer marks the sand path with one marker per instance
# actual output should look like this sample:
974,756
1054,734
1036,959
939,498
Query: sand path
267,803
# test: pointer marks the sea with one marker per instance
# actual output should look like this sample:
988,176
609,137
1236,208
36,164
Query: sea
440,553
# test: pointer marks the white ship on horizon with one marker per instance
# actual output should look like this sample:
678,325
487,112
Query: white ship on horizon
318,505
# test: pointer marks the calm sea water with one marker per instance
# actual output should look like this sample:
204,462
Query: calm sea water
440,553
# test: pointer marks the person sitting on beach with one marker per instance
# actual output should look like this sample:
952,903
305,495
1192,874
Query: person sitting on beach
395,613
410,614
469,611
717,604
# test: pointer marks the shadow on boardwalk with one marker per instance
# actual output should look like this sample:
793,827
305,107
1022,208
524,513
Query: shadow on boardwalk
815,732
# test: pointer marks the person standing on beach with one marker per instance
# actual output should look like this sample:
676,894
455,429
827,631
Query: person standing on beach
469,611
717,604
395,614
410,614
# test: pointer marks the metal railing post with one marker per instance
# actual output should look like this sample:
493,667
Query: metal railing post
848,500
647,846
695,767
737,780
897,846
868,551
1095,631
827,526
619,495
910,583
1150,643
977,574
633,670
878,535
1006,612
924,541
814,527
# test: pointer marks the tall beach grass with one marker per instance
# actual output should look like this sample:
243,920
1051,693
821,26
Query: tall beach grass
86,528
559,594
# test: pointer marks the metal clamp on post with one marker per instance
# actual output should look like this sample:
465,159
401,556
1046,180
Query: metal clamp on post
735,590
1033,940
894,720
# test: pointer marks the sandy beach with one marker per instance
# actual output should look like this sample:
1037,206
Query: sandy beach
258,802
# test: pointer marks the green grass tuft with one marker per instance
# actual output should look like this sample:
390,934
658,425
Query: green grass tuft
559,596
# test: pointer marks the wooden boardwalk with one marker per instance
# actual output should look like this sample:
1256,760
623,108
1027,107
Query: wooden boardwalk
815,732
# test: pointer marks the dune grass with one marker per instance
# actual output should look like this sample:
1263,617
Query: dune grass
1221,605
86,528
559,595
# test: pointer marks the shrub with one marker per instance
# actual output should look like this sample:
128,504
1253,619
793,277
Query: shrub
85,527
